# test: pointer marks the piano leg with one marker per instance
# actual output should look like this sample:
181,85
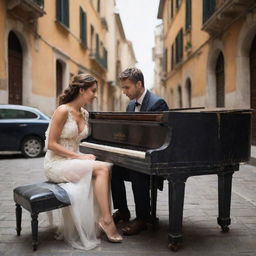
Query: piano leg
176,202
224,194
153,190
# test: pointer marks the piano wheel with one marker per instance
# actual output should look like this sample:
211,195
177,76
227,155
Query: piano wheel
174,246
225,229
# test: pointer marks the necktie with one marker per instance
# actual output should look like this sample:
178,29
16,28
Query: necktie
137,104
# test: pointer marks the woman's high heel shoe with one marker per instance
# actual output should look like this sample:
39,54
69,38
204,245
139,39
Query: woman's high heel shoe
113,239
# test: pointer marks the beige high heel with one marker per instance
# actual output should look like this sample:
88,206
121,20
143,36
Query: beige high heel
113,239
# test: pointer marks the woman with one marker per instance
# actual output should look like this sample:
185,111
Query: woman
84,177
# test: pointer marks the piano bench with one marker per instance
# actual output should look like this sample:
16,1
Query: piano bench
36,198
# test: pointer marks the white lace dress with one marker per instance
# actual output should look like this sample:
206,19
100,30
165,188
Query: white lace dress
78,225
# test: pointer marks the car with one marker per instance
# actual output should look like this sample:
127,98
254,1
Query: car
22,129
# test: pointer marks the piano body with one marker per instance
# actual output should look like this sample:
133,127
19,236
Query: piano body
175,145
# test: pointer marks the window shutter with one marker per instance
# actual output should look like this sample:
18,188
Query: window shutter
165,60
62,12
66,12
181,44
83,27
97,45
58,10
179,47
177,50
188,14
208,9
105,58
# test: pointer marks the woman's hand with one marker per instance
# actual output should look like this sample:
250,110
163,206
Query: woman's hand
87,157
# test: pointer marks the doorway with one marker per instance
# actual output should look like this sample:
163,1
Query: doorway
15,59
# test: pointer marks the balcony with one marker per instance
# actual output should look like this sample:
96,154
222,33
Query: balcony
29,10
225,13
102,62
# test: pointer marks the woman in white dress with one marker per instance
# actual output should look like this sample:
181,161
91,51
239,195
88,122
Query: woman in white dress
85,179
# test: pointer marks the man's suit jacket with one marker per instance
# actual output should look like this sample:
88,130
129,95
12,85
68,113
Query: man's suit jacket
151,102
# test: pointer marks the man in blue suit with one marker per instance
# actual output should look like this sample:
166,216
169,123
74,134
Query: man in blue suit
132,83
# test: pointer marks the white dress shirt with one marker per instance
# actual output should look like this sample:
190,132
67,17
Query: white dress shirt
140,100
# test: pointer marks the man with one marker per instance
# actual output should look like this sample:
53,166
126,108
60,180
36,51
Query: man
132,83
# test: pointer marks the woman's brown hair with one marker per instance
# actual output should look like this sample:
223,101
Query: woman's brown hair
82,80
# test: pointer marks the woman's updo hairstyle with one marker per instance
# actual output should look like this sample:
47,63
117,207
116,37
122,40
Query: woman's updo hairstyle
78,81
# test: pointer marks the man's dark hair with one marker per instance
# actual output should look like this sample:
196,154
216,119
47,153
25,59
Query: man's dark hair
133,74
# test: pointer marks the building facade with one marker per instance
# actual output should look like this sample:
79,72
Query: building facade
46,42
157,56
121,56
209,53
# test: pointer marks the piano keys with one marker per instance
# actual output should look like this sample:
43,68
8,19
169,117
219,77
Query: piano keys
175,145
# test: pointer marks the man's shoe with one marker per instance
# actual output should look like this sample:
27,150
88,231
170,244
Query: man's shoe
121,216
134,227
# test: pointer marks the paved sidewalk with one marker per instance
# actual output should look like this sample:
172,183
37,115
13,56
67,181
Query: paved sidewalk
201,233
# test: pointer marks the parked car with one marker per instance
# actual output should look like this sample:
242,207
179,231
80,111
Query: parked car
22,129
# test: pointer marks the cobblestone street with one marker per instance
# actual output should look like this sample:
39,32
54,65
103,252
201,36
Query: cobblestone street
201,233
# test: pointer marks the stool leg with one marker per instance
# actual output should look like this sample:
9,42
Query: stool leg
34,227
18,219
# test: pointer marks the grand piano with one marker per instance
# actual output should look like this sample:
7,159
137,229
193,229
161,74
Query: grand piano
175,145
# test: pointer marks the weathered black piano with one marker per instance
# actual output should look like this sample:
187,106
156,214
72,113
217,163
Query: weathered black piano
175,145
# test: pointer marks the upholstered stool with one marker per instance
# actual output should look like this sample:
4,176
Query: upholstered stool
37,198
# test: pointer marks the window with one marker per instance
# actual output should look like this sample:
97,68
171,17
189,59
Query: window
105,59
179,97
171,9
83,27
179,47
98,6
165,60
97,45
208,9
172,58
62,14
188,14
16,114
40,3
92,37
188,92
178,2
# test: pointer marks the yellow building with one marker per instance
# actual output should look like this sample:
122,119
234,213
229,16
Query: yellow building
209,53
45,42
157,57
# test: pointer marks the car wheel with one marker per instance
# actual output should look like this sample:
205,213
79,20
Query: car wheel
32,147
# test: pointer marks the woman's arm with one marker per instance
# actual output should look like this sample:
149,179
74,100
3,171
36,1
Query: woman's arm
58,121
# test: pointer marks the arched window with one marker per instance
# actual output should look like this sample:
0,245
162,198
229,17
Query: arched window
188,92
59,77
179,97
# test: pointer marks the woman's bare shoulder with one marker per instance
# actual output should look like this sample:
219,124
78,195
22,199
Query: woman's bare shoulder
61,111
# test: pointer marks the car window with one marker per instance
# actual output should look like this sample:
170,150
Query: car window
16,114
